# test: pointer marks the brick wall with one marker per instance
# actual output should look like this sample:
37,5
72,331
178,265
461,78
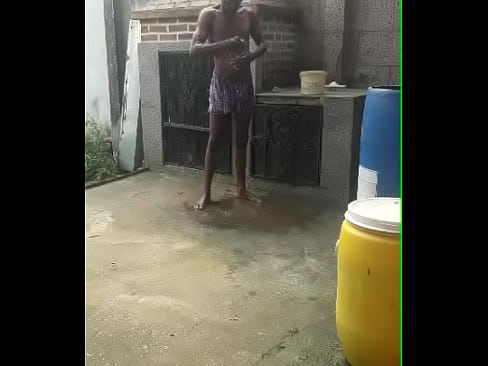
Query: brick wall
279,63
168,29
172,4
279,28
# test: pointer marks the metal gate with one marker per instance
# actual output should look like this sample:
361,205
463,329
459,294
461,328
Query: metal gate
184,105
286,143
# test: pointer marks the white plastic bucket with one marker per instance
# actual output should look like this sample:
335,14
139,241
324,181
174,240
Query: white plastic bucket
313,82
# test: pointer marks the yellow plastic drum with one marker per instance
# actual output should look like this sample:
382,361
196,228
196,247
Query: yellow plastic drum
368,284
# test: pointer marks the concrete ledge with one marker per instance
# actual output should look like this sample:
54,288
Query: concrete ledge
288,100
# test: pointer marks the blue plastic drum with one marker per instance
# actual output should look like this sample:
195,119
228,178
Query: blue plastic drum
379,154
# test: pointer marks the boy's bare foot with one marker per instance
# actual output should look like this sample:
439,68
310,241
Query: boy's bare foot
246,195
202,203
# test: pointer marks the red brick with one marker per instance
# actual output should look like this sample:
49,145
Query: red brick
148,21
273,55
149,37
192,27
158,28
188,19
287,19
184,36
286,28
288,55
144,29
178,28
289,37
167,20
167,37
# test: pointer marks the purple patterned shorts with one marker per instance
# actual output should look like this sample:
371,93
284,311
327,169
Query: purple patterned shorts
231,95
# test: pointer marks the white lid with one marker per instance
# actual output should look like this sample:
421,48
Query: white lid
379,214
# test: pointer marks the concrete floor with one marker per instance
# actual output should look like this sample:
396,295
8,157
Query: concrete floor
237,284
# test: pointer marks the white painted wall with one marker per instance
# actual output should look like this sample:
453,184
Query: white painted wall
97,94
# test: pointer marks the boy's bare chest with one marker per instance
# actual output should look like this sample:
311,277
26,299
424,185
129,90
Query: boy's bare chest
225,28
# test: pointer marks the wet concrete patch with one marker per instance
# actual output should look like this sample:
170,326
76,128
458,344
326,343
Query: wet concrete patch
167,285
278,212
